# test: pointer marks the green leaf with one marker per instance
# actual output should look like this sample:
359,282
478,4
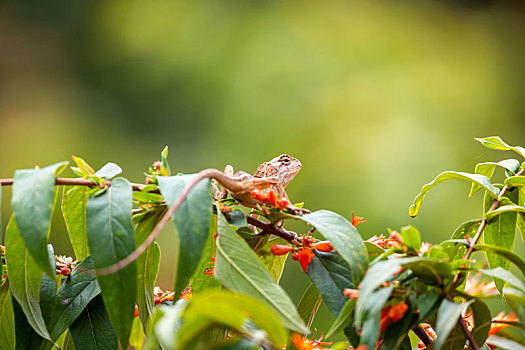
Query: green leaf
504,253
504,209
504,343
515,181
83,166
238,268
482,321
504,275
200,281
447,318
309,304
481,180
147,264
109,171
520,223
495,142
92,330
374,304
74,295
501,232
111,239
164,160
192,221
411,237
487,169
25,277
7,319
32,201
345,318
229,310
274,264
331,275
74,211
25,336
344,237
466,229
429,270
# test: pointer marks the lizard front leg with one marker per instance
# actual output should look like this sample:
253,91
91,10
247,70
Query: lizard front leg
222,193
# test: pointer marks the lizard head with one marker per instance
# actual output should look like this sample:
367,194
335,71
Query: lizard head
285,167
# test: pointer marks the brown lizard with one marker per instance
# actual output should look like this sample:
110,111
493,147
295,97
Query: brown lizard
276,173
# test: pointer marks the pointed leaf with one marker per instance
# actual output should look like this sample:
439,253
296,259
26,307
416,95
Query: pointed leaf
32,201
411,237
92,330
501,232
481,180
192,221
83,166
111,239
482,321
331,275
487,169
512,208
7,319
238,268
74,211
344,237
447,318
109,171
147,264
309,304
25,277
495,142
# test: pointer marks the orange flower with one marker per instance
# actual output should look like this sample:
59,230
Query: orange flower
323,246
304,256
282,203
356,220
392,313
308,344
272,197
496,326
379,241
278,249
351,293
186,294
259,195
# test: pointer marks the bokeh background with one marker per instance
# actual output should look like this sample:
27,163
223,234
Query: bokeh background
374,97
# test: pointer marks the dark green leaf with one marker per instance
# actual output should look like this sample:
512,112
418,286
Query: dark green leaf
482,320
237,218
309,304
344,237
92,329
447,318
111,239
345,318
192,221
32,201
411,237
487,169
25,277
495,142
7,319
500,232
238,268
74,211
481,180
427,303
147,264
26,337
109,171
331,275
374,304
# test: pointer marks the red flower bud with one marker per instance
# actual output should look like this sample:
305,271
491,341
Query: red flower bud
136,311
323,246
278,249
65,271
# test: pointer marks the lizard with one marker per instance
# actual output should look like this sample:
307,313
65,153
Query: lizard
276,174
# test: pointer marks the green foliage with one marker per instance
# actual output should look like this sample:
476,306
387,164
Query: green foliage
226,293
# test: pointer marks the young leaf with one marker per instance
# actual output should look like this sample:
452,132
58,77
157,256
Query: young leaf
92,330
147,264
495,142
481,180
447,318
501,232
164,160
25,277
192,221
344,237
83,166
32,201
411,237
238,268
7,319
111,239
74,211
331,275
487,169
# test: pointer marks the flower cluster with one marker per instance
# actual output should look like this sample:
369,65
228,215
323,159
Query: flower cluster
269,197
392,313
161,296
303,251
302,343
64,265
356,220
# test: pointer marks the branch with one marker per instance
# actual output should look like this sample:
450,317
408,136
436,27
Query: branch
470,250
74,182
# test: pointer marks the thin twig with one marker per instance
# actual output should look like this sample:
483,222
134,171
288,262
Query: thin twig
74,182
470,250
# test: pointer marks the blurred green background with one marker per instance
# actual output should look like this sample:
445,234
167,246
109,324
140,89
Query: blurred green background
375,98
